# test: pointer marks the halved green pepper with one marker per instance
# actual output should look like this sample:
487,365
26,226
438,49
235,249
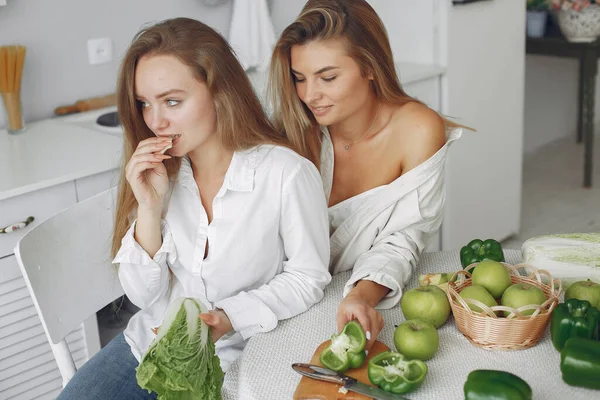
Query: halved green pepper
478,250
573,318
393,373
347,349
484,384
580,363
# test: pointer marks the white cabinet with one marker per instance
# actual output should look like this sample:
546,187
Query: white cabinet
40,204
94,184
27,367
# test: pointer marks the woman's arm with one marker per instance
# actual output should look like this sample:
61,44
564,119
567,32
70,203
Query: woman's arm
143,269
381,272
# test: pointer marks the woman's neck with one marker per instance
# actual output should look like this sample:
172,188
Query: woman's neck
210,160
357,125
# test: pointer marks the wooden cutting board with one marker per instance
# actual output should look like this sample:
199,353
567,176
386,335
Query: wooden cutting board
315,389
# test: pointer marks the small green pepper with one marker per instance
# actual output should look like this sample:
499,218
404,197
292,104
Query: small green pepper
347,349
393,373
479,250
573,318
483,384
580,363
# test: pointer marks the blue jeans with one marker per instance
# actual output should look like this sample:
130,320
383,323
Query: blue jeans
109,374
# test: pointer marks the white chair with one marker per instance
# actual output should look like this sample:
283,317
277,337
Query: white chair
66,264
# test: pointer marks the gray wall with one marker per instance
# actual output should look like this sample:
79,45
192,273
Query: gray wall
56,33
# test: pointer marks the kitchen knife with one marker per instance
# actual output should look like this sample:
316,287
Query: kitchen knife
325,374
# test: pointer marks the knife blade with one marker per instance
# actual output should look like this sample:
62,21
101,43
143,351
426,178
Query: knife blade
325,374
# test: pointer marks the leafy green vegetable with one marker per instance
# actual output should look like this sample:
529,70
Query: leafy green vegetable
571,257
181,363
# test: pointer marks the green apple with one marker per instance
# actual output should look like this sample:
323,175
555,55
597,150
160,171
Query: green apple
522,294
585,290
428,303
416,339
493,276
478,292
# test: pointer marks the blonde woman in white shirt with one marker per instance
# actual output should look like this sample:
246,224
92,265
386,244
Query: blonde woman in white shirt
380,152
229,214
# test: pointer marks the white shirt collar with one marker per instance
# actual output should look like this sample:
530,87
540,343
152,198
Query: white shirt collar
239,176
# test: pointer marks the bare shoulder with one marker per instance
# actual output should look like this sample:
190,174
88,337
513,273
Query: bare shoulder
419,131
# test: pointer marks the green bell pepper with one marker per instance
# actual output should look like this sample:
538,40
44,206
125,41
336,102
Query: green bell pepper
346,350
485,384
479,250
580,363
573,318
393,373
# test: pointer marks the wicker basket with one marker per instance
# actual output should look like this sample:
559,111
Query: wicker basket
514,332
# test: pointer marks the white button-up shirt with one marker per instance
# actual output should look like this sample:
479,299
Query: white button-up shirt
268,249
382,238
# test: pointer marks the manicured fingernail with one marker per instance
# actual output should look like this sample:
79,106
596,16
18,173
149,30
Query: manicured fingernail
368,335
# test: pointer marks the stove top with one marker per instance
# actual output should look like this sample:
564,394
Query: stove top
105,120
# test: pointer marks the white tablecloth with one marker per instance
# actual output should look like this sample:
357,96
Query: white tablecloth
264,371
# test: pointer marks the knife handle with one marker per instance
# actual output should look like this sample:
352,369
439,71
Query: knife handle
321,373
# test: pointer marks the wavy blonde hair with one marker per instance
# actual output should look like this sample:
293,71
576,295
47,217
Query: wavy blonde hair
241,121
353,21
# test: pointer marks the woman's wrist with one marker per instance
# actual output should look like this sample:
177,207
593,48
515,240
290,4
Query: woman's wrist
369,291
148,230
225,318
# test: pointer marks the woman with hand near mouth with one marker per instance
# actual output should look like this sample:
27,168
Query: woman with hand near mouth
229,214
380,152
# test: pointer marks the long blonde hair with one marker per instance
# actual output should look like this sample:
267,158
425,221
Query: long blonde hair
241,121
360,27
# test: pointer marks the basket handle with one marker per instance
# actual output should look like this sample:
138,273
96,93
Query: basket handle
537,273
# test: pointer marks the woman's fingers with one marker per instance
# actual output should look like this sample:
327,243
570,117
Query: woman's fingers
367,326
141,162
210,319
152,146
369,319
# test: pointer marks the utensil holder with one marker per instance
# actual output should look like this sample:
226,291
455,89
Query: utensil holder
13,112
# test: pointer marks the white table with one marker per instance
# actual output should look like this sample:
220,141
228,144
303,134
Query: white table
264,371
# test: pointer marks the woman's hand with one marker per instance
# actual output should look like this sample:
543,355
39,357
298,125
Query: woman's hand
146,173
218,321
360,304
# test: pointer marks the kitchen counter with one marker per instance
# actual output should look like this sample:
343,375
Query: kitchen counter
51,152
59,150
268,355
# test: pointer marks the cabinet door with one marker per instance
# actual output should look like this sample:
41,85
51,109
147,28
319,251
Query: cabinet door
40,204
27,366
92,185
485,89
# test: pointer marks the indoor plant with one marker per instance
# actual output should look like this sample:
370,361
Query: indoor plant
537,13
579,20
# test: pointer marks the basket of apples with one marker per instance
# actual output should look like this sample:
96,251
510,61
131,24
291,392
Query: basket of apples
496,306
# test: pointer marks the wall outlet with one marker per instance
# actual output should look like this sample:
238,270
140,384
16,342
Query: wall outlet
99,50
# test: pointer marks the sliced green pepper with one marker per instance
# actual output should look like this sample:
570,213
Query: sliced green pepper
485,384
479,250
347,349
573,318
580,363
393,373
